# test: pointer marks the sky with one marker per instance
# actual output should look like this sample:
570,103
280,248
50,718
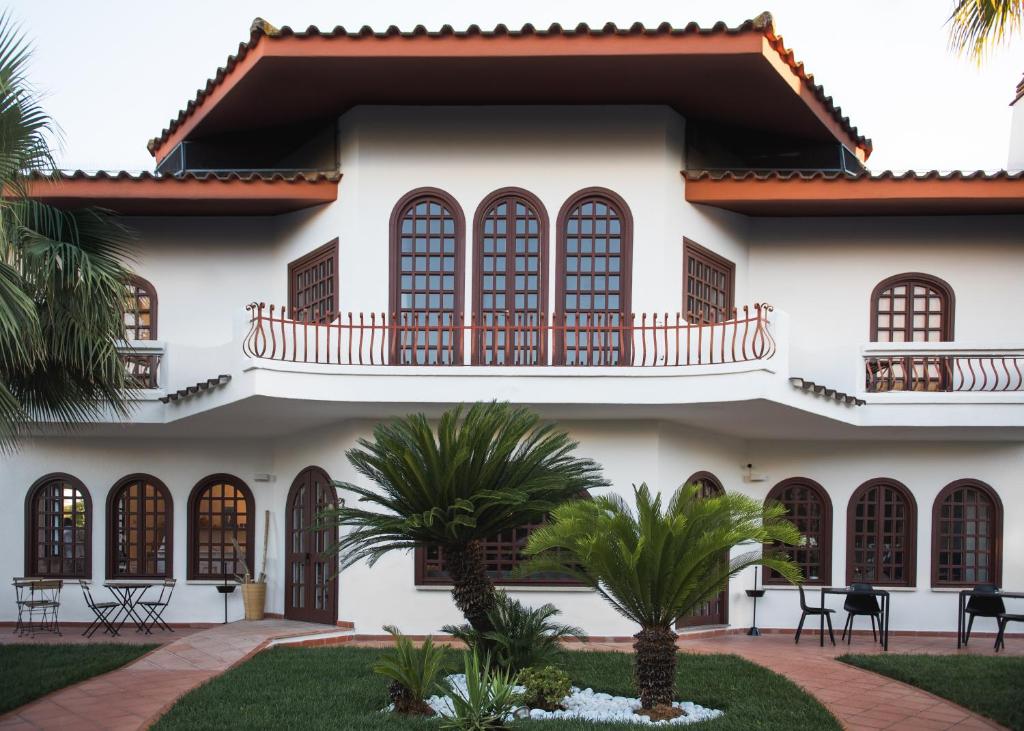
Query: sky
114,72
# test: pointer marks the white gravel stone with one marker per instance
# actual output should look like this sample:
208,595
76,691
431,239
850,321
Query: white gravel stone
586,705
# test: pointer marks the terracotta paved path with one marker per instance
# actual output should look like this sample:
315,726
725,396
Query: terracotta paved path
134,695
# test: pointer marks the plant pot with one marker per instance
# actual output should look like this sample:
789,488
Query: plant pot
254,598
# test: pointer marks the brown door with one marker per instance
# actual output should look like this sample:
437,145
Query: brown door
311,587
715,611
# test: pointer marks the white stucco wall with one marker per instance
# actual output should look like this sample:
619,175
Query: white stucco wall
1016,157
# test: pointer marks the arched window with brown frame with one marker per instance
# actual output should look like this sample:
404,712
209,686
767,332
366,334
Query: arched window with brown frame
715,611
140,324
911,308
221,535
881,534
140,529
967,535
810,510
510,264
427,272
58,528
594,280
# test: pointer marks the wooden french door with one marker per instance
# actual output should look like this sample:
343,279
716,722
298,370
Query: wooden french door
715,611
311,587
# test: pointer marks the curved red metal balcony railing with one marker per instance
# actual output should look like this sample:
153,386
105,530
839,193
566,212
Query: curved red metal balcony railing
600,339
956,371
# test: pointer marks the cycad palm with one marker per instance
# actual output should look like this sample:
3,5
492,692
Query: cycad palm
654,566
486,469
62,280
976,25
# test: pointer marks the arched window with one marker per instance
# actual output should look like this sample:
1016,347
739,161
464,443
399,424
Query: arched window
967,535
594,272
58,528
221,539
881,534
140,310
810,510
140,534
427,242
510,240
911,308
715,611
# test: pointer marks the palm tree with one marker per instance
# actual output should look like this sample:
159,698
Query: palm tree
654,566
977,25
62,280
486,469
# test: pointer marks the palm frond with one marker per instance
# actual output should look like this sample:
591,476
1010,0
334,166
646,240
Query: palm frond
975,26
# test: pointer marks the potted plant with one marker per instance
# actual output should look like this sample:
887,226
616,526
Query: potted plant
254,590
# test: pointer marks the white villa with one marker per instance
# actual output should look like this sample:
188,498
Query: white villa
665,239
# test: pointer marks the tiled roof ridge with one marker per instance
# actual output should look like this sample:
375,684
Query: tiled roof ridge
763,23
298,177
853,176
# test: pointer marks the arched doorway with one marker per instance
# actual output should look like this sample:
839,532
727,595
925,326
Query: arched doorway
311,585
715,611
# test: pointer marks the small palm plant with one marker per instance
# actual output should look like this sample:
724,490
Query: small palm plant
486,469
653,565
522,637
413,673
488,700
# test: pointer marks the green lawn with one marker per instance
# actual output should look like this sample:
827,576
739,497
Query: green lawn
334,688
31,671
989,685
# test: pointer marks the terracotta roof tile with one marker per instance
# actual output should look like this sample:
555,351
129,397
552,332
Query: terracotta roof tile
851,176
209,176
763,23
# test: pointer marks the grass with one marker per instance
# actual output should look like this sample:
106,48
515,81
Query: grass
991,686
31,671
320,688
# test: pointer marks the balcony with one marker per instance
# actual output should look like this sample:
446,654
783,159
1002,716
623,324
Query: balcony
510,340
142,361
942,367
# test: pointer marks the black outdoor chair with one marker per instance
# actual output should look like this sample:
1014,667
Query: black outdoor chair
102,610
155,608
38,605
1003,620
857,605
990,605
806,610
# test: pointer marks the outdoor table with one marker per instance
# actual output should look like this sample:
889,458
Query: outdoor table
883,621
961,624
128,595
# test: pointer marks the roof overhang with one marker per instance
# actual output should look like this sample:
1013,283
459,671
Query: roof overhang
187,195
742,76
836,194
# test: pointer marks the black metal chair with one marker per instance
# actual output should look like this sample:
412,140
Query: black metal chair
859,605
102,610
1004,619
155,609
38,609
989,605
806,610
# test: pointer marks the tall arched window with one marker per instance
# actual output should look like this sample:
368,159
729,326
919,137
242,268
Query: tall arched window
967,535
510,244
881,534
140,535
427,242
594,272
58,528
810,510
221,539
715,611
140,321
911,308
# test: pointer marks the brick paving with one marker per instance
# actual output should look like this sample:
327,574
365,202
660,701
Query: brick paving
135,695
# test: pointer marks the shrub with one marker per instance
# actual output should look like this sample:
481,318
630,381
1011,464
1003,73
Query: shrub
522,637
413,673
489,698
545,687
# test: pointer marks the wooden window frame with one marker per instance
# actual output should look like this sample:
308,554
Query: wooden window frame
394,265
30,526
693,250
112,499
911,278
911,547
328,250
997,529
139,282
702,616
250,528
614,200
824,536
509,195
